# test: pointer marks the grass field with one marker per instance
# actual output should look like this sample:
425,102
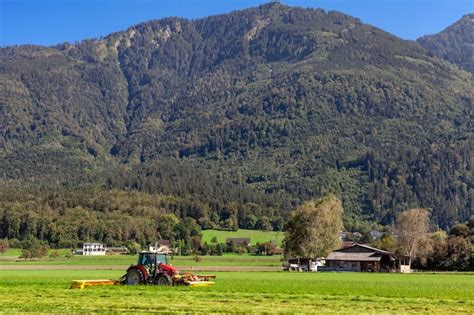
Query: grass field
126,260
47,291
254,235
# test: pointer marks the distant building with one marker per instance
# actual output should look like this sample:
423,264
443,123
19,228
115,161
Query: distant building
160,246
237,241
348,236
93,249
376,234
360,257
343,235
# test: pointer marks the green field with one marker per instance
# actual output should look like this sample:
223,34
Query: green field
254,235
125,260
47,291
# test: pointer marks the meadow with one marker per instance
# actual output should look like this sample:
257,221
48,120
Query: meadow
254,235
48,291
228,259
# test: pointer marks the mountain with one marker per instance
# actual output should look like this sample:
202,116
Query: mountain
239,118
455,43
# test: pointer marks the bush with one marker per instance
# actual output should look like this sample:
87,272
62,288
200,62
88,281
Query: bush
14,243
133,248
54,254
267,248
26,254
4,246
33,248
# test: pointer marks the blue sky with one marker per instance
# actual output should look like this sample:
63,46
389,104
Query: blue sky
48,22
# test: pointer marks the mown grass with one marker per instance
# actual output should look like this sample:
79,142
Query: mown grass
273,292
254,235
16,252
126,260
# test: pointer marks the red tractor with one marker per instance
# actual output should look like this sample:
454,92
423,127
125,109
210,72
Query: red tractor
152,268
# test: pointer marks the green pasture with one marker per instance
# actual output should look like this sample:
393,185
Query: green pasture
227,259
47,291
254,235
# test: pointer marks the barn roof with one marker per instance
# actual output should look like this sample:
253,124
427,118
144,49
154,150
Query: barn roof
353,256
373,249
366,253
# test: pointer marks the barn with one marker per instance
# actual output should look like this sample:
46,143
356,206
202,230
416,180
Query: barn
359,257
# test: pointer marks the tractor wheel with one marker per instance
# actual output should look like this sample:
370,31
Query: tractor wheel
163,279
134,277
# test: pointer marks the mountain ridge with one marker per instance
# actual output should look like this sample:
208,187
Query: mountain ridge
284,104
455,43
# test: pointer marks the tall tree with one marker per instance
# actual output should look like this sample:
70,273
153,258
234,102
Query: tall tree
314,227
412,227
167,225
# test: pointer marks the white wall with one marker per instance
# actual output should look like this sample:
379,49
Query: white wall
93,250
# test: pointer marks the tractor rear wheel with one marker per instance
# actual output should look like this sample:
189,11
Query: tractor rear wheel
163,279
134,277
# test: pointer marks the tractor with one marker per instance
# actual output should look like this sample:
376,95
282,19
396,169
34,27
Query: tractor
153,269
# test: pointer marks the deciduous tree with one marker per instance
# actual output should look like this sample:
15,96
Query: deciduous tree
314,227
412,227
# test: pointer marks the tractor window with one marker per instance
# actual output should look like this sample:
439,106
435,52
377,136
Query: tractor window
146,259
161,259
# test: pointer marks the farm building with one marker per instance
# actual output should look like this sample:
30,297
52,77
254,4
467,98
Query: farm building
360,257
237,241
93,249
160,246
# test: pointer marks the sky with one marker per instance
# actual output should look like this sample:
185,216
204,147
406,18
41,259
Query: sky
49,22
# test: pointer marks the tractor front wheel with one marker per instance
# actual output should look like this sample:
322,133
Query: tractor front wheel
134,277
163,279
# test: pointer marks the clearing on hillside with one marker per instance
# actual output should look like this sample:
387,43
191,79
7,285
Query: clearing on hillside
255,236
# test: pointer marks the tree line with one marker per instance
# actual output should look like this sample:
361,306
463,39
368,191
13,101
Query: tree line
314,227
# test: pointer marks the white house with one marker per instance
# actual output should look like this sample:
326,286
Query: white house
160,246
93,249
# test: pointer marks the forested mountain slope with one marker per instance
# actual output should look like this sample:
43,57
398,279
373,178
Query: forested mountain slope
281,104
455,43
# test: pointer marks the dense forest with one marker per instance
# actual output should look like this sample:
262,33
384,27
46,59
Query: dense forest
230,121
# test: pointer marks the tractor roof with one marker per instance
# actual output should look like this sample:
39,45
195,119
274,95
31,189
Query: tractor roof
150,252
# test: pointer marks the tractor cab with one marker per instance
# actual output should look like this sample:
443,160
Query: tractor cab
152,261
152,258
